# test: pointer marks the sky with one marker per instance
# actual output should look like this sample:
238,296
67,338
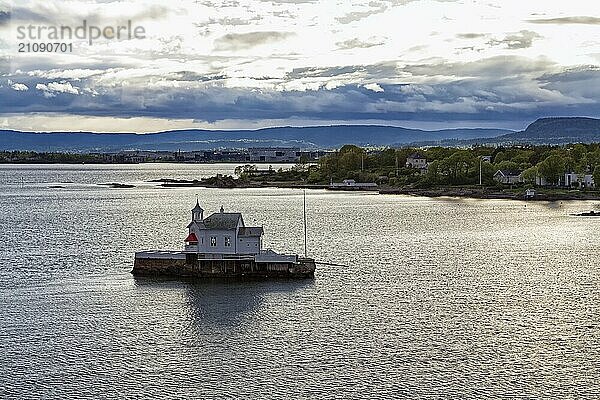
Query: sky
235,64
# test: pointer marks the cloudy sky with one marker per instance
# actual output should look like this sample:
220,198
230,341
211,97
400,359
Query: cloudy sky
252,63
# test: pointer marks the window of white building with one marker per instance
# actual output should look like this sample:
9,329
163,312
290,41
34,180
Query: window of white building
213,241
227,241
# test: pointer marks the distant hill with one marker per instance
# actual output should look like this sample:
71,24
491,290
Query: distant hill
318,137
555,130
558,130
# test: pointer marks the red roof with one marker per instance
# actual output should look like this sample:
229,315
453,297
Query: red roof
191,238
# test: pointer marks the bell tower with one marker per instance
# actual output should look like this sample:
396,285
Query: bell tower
197,213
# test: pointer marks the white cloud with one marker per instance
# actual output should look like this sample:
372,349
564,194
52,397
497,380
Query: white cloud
19,87
71,74
374,87
51,89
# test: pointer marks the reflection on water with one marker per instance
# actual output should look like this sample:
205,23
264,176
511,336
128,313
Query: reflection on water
228,303
224,303
441,298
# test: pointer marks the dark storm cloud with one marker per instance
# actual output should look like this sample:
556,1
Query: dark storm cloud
190,76
488,68
581,82
373,71
4,17
49,13
20,14
586,20
239,41
501,89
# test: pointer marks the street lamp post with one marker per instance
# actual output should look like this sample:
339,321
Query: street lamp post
480,174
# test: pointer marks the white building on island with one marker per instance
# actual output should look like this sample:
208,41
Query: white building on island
222,234
221,246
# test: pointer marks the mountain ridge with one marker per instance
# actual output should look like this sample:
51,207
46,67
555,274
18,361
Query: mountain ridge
543,131
548,130
311,137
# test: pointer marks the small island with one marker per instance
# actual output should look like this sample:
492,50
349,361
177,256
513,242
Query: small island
222,246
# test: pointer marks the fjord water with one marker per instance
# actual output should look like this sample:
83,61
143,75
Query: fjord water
441,298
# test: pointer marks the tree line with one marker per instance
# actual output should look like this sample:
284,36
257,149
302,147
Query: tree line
456,166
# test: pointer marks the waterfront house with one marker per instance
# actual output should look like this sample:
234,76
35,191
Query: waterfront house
221,233
540,181
351,184
508,177
222,246
573,179
416,161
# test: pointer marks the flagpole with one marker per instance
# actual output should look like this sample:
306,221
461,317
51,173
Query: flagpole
305,241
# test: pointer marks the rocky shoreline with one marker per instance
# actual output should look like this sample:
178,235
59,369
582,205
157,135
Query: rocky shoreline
466,192
493,194
224,183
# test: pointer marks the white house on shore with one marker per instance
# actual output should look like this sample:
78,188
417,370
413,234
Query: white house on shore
570,179
579,180
416,161
221,234
352,184
508,177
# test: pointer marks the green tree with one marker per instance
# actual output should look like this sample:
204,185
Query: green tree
458,165
499,157
593,157
350,158
329,165
314,176
507,166
304,159
386,158
552,168
530,174
241,169
522,158
433,172
487,172
578,152
597,175
436,153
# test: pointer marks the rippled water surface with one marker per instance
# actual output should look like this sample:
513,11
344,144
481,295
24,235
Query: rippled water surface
442,298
